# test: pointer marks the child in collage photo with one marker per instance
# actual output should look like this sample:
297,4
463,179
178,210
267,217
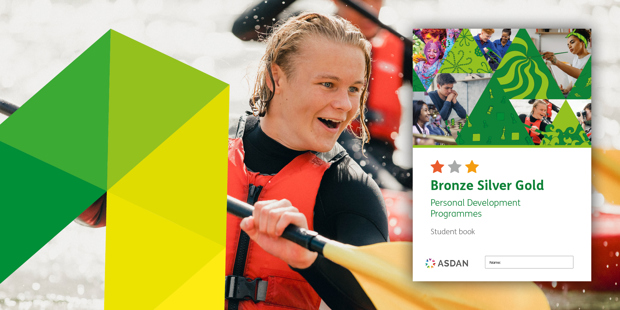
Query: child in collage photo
433,46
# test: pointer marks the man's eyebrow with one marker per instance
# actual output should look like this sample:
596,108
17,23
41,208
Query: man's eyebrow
335,78
328,76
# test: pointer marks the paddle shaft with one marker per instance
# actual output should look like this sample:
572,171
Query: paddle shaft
308,239
607,162
7,108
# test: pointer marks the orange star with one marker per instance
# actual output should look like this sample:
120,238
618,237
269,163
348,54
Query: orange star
471,167
437,167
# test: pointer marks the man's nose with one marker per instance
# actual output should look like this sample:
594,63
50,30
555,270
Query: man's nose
342,101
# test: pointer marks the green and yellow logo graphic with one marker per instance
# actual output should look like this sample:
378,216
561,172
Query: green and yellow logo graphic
152,133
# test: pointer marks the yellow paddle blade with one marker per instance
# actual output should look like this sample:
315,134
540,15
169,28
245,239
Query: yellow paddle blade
606,173
384,272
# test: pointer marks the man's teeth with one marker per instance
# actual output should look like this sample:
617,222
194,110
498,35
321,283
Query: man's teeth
331,123
331,120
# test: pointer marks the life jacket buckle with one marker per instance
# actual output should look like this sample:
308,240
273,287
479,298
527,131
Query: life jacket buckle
241,288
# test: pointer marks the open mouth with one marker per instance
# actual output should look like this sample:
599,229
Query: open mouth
330,123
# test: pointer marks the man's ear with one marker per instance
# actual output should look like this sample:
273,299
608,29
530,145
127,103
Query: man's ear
278,76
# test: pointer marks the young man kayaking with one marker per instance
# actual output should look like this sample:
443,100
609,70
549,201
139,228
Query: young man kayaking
311,84
391,68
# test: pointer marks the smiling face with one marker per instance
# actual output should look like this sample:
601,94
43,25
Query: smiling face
318,98
575,46
484,36
424,114
505,38
539,111
432,52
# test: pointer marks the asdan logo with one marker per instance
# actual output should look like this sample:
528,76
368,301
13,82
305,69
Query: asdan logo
430,263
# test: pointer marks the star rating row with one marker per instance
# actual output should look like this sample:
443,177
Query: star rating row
454,167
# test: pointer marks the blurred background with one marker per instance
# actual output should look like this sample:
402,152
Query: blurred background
38,38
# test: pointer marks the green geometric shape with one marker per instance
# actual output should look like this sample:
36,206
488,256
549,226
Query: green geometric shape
565,129
583,86
515,136
523,73
102,114
136,82
65,124
38,201
417,84
493,119
465,57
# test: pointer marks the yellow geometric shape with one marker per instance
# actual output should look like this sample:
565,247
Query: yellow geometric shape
166,222
175,180
515,136
476,137
148,257
201,284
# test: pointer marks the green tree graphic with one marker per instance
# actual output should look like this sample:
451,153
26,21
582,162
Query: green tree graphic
465,57
565,129
494,121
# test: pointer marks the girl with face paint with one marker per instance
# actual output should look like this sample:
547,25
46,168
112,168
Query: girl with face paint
437,46
427,69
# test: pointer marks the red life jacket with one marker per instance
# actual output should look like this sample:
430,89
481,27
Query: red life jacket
299,183
387,77
549,109
95,215
533,133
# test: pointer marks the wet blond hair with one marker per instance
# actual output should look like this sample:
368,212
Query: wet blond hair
283,45
537,103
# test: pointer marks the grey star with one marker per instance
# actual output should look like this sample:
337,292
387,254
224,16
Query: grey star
454,167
